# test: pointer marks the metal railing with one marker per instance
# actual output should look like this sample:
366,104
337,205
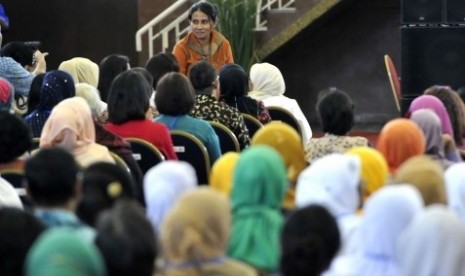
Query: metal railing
177,30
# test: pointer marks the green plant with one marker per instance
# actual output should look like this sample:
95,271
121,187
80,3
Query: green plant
236,23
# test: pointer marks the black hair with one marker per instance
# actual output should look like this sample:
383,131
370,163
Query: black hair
103,184
51,177
21,52
128,98
204,7
15,137
127,240
160,64
145,73
202,76
310,240
33,97
336,111
175,95
109,68
18,231
234,83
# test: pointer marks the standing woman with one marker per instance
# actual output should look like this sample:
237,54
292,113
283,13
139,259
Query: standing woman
203,42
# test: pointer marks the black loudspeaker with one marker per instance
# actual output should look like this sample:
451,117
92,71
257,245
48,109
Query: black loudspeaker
423,11
455,11
432,56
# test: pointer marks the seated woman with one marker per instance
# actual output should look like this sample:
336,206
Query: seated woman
336,113
83,70
70,126
6,95
175,100
234,85
109,68
128,103
269,87
256,200
195,234
203,77
57,86
104,137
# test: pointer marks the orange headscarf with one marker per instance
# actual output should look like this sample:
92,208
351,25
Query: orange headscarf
399,140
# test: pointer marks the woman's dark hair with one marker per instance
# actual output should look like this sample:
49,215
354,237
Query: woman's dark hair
310,240
15,137
160,64
204,7
103,184
175,95
21,52
109,68
455,108
34,93
145,73
127,240
128,98
18,231
202,76
336,111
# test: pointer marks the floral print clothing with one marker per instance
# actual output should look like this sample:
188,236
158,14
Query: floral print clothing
209,109
330,143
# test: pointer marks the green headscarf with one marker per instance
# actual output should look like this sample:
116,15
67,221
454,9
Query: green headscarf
259,187
59,251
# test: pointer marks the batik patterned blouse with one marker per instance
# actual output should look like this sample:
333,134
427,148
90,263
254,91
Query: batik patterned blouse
209,109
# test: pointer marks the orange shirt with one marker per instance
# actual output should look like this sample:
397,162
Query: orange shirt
188,52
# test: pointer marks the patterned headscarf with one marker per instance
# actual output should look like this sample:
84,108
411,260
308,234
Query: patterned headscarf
399,140
82,70
56,86
163,185
256,199
267,81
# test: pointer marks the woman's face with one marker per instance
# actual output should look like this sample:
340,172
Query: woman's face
201,25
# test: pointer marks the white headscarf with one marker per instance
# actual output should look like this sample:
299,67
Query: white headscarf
455,186
82,70
92,97
332,181
8,195
163,185
433,244
267,81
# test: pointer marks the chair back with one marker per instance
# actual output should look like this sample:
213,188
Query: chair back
190,149
16,179
393,80
120,162
252,124
283,115
35,144
228,140
145,154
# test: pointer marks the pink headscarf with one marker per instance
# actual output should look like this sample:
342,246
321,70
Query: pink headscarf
435,104
69,126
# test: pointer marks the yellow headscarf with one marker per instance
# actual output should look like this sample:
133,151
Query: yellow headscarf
221,177
374,168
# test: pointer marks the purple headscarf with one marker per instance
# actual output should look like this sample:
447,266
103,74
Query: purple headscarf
433,103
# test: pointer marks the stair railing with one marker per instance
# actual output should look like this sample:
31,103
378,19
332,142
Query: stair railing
266,5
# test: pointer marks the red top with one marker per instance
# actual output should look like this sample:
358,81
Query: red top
152,132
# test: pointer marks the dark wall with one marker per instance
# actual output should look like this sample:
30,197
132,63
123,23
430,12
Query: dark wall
345,49
70,28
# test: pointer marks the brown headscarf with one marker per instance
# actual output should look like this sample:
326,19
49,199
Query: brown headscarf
426,175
